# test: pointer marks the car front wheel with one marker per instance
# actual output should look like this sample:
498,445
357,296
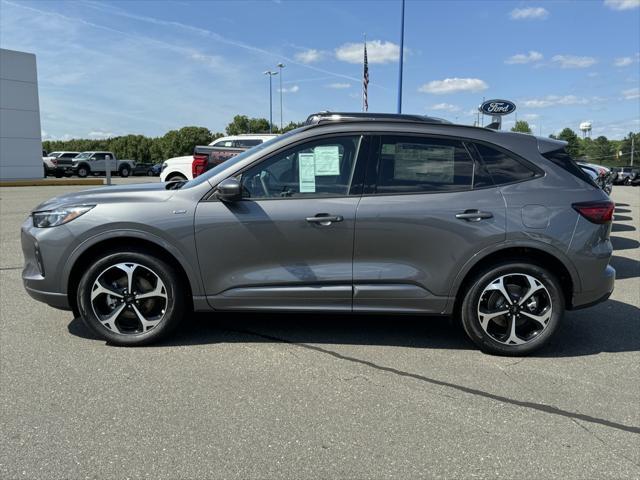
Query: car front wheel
130,299
124,172
83,171
512,309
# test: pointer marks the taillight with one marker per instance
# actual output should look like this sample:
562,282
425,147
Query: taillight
54,162
595,212
199,164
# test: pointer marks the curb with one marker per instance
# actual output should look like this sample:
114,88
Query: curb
50,183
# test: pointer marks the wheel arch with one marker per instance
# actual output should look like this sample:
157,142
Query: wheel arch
82,258
542,256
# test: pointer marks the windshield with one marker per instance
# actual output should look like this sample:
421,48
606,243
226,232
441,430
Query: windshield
238,158
54,154
82,155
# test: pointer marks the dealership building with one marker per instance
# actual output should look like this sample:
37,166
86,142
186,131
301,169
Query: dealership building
20,134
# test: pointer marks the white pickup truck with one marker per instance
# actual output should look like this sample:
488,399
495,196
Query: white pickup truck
88,163
181,168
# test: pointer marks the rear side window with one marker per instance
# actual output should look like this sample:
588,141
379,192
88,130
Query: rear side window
249,143
419,165
563,160
502,167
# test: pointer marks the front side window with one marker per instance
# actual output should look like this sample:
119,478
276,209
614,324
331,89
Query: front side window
99,156
422,164
319,168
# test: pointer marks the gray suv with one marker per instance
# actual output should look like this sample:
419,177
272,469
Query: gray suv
363,213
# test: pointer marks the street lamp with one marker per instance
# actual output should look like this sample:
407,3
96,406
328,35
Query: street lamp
281,66
271,74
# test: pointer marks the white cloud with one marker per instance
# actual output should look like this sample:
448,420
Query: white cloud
377,52
529,13
98,135
551,100
572,61
530,57
310,56
339,86
291,89
447,107
631,94
623,62
208,60
530,116
453,85
622,4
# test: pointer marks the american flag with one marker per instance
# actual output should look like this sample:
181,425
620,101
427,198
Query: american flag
365,81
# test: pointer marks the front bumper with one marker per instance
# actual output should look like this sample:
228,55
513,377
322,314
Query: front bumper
600,294
44,251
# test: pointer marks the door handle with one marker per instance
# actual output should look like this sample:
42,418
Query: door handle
473,215
325,219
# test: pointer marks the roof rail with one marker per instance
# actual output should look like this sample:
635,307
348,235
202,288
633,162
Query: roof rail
326,117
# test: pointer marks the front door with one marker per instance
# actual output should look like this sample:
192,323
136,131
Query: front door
427,208
288,243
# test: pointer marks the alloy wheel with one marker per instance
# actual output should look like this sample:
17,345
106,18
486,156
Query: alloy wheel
514,309
129,298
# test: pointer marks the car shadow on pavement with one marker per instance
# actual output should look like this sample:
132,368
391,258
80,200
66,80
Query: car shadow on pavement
625,267
622,243
622,227
609,327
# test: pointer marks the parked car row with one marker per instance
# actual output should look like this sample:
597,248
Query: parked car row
602,176
83,164
626,175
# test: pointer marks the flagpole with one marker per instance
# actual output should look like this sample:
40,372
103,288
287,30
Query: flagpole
401,58
363,87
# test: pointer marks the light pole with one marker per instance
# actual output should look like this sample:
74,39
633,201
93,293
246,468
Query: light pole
281,66
271,74
401,58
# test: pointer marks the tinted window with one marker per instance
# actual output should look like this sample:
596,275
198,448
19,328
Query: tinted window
418,165
248,143
99,156
563,160
224,143
503,168
68,155
322,167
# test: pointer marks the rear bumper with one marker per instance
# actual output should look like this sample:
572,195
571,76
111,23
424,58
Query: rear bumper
592,297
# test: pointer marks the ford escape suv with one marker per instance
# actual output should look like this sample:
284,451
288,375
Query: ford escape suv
349,213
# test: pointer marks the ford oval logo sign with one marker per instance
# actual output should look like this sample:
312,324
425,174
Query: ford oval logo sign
497,107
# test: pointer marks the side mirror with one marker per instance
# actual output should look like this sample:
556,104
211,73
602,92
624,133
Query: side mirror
229,190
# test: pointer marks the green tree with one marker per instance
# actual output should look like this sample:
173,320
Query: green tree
625,148
521,126
573,147
243,124
601,150
176,143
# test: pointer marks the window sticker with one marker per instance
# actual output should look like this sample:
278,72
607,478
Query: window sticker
306,170
327,160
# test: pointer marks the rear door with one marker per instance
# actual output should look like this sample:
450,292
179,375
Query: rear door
428,207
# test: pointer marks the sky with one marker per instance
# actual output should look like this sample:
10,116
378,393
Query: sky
146,67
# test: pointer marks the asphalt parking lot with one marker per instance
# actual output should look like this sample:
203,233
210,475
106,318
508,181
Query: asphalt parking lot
302,396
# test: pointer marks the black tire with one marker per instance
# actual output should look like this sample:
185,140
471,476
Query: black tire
124,171
627,181
83,171
150,173
469,308
176,177
173,310
45,171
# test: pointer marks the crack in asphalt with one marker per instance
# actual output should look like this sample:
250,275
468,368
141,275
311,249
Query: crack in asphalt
540,407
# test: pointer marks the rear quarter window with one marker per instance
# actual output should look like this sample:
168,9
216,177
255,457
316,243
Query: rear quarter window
563,160
502,167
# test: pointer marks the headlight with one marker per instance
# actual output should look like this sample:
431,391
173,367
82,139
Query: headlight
59,216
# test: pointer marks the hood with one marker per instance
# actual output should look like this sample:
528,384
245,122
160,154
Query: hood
125,194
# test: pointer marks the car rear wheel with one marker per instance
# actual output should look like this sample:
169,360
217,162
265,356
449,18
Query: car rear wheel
512,309
131,298
176,177
124,171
